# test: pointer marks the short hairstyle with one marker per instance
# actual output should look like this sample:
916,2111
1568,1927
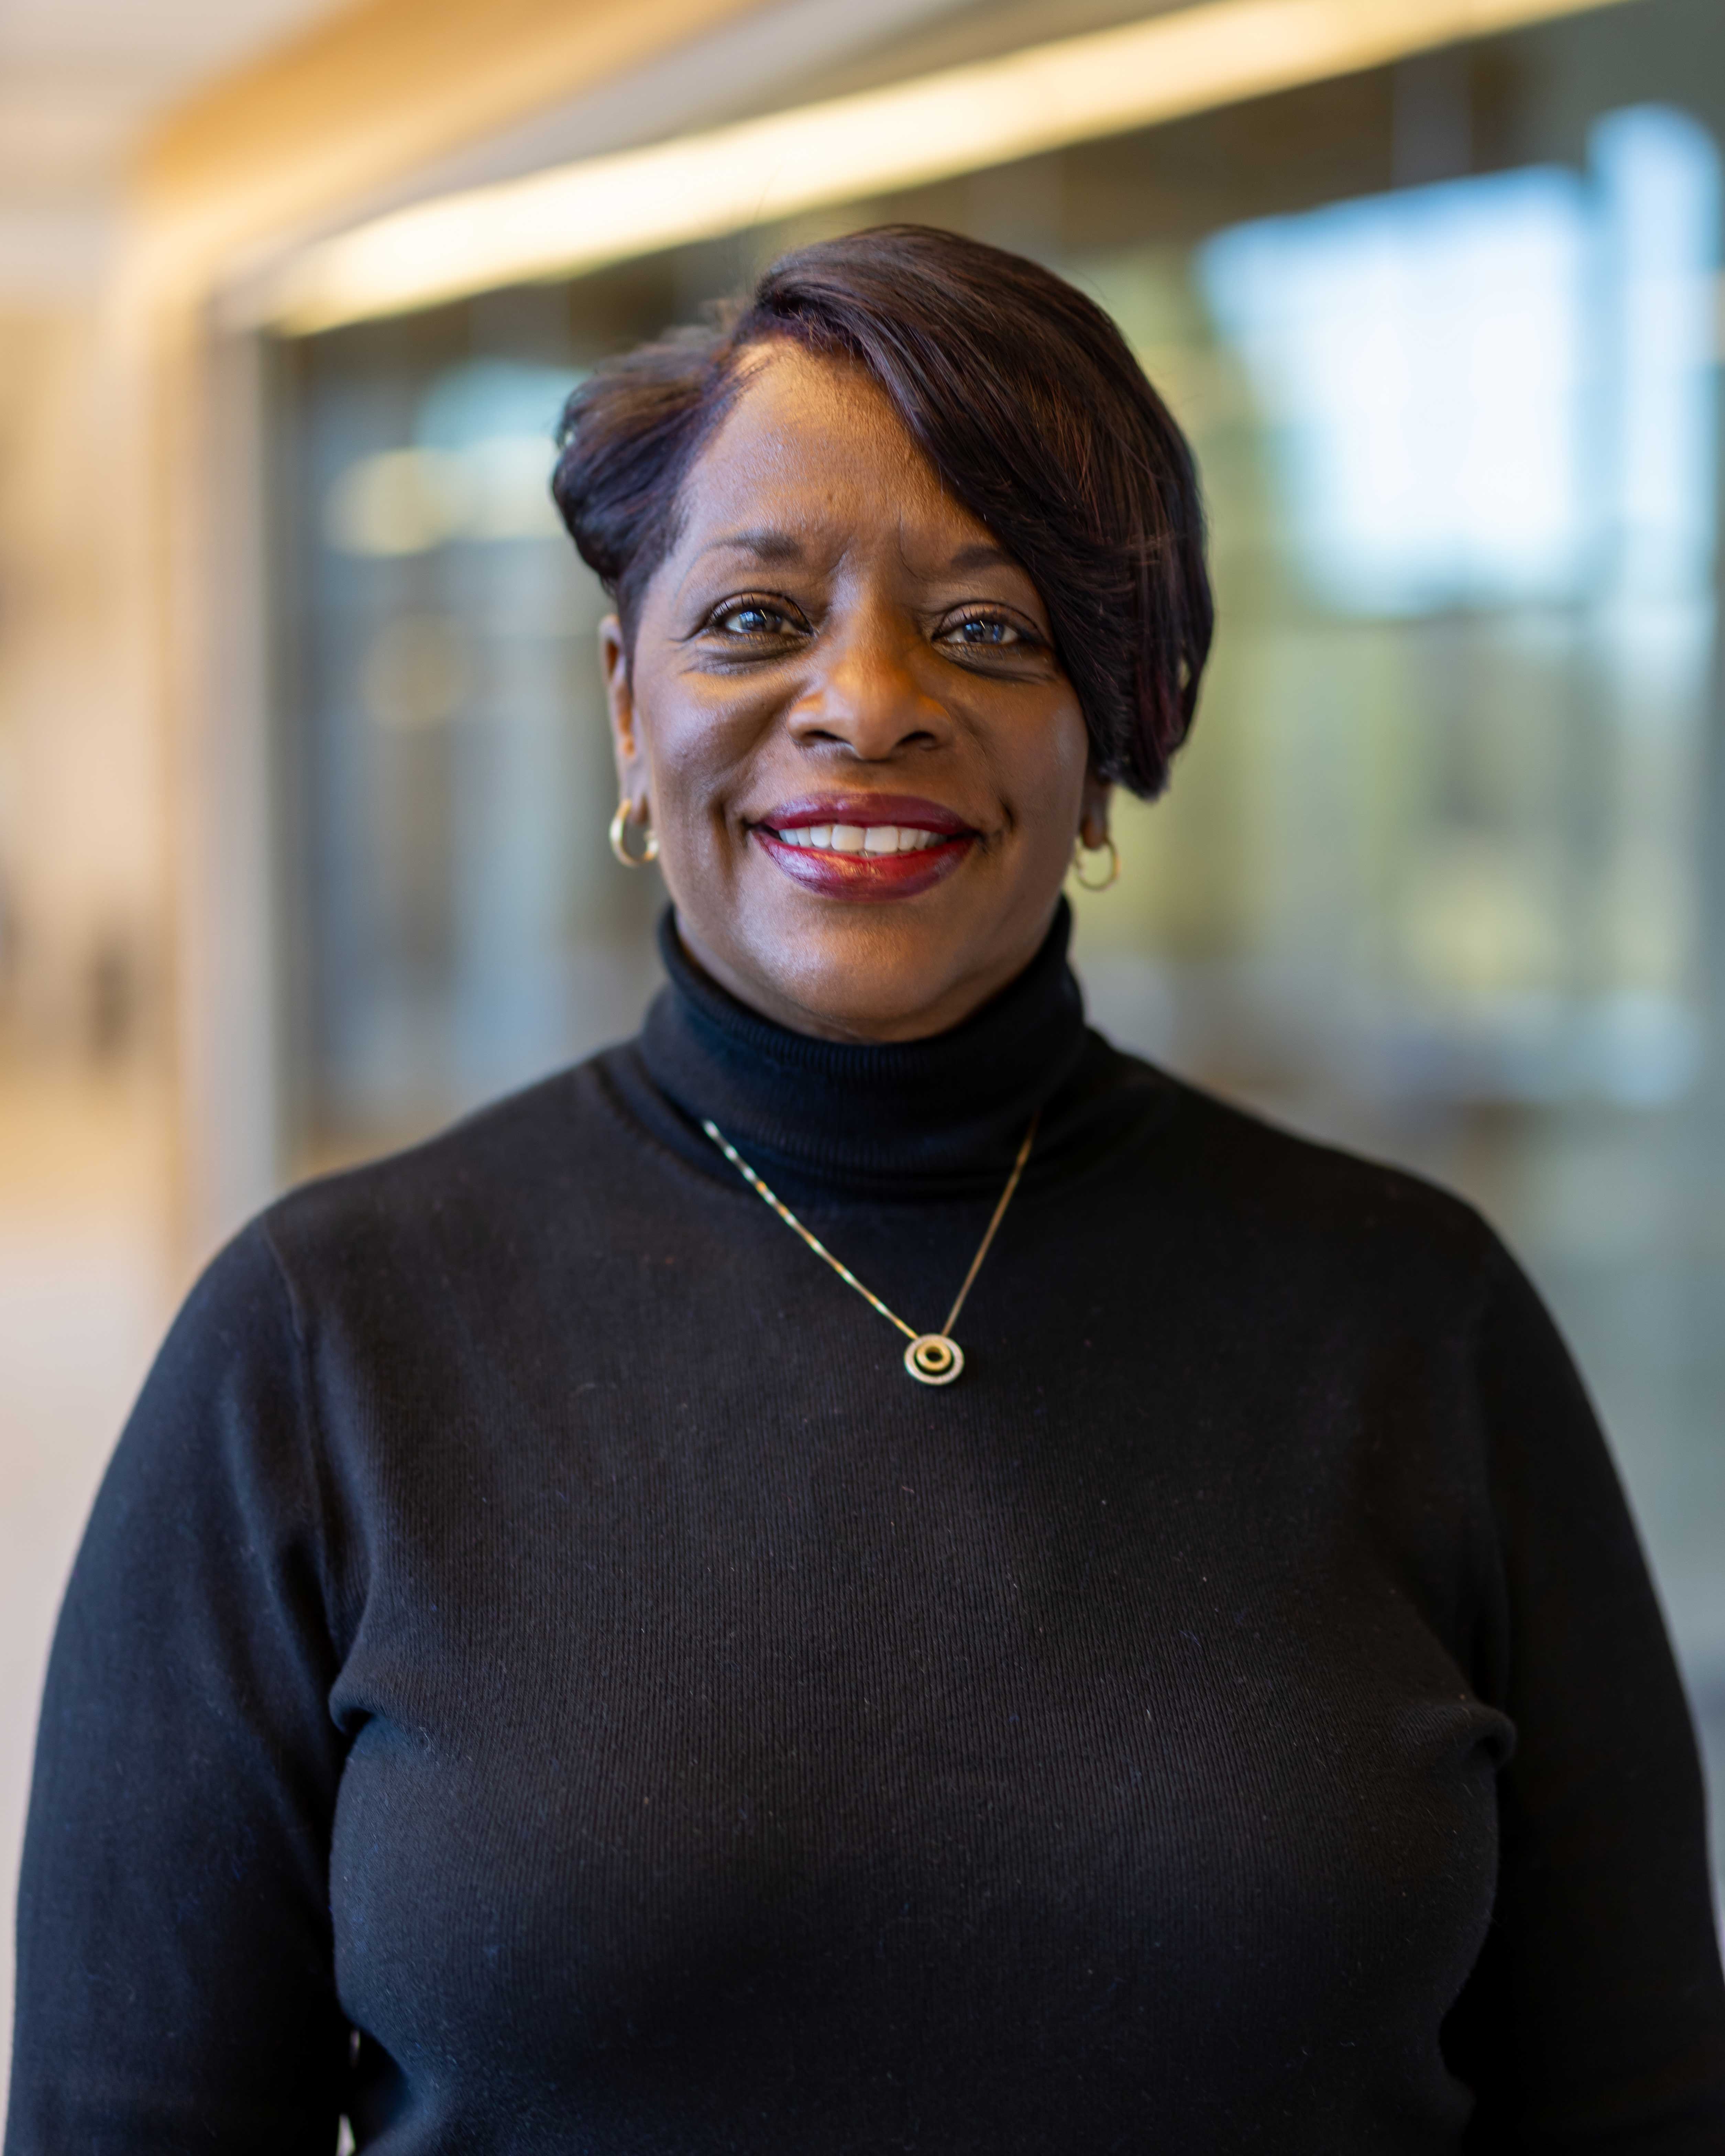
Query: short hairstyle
1025,399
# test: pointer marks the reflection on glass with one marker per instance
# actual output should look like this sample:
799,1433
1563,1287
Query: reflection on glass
1459,448
1420,362
463,931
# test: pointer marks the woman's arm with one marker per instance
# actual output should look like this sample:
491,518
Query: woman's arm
1595,2018
175,1989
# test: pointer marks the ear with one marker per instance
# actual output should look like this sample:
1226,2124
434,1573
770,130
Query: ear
627,745
1093,816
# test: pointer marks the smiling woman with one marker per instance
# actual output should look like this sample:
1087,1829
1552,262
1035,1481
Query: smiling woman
538,1676
843,561
879,639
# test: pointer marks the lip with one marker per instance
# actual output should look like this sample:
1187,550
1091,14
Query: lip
866,875
909,809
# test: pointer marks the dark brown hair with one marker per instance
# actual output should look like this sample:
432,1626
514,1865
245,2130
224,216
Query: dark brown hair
1025,399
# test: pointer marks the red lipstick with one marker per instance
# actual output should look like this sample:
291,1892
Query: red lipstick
864,846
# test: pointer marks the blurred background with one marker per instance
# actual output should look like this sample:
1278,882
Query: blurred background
303,776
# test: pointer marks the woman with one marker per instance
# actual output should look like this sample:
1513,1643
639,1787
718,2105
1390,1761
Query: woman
552,1669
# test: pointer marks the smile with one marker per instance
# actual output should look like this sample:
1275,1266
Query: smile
859,838
857,847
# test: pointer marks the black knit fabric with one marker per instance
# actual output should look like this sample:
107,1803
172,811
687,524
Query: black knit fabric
533,1620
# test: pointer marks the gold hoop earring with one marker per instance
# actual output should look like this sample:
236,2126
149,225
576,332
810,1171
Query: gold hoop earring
1079,851
619,824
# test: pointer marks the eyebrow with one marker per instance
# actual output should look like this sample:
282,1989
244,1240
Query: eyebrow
766,545
982,554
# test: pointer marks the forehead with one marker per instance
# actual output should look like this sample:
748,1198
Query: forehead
810,442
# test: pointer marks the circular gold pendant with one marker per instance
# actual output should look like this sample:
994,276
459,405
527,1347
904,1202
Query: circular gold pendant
932,1359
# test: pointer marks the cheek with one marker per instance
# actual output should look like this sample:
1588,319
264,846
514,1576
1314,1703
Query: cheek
697,745
1045,782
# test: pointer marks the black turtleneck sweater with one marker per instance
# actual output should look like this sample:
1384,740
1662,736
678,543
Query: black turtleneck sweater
541,1676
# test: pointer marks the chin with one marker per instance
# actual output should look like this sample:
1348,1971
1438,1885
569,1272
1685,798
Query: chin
871,977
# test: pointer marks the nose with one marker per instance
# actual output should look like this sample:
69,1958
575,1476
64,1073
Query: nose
866,694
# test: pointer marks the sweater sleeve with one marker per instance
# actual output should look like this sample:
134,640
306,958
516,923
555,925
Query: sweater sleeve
1596,2017
175,1982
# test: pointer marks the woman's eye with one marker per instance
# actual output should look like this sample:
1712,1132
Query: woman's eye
985,632
753,618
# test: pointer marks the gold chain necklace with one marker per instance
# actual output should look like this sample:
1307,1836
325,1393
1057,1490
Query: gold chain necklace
933,1358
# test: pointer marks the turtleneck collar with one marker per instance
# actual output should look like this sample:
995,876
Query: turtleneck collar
936,1114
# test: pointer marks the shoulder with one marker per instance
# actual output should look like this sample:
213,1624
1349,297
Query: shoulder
1338,1264
557,1148
215,1448
1270,1195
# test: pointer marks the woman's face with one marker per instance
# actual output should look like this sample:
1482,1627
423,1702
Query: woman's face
845,719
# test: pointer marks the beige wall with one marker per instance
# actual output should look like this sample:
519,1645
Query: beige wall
80,865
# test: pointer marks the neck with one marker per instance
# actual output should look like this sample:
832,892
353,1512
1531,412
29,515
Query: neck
946,1109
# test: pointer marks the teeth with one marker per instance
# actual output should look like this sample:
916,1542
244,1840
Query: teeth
861,838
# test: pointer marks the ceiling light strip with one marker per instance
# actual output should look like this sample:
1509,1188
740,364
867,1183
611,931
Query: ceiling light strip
579,216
